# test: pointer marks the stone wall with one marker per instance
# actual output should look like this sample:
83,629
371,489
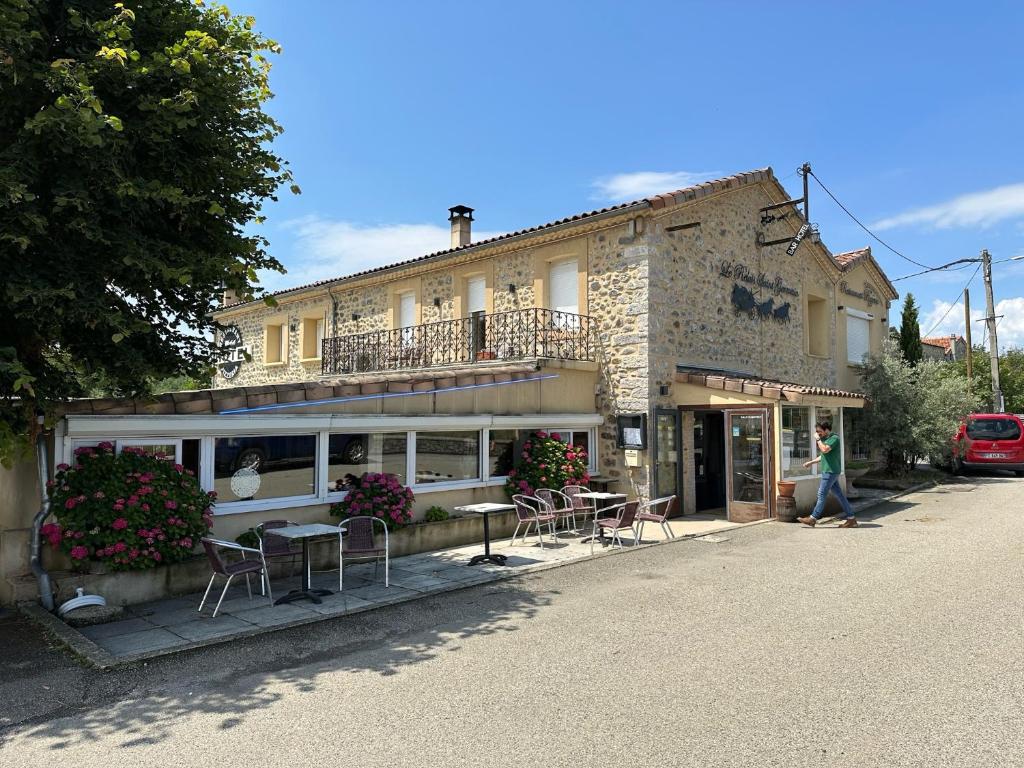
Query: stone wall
513,269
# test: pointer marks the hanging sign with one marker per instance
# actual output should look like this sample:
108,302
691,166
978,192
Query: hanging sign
231,340
800,235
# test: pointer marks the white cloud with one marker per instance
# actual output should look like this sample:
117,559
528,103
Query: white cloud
1010,331
631,186
327,248
977,209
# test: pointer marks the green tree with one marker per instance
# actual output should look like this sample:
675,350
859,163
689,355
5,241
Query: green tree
910,332
135,157
1011,377
913,411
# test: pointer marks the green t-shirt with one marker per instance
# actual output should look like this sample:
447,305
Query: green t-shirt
833,460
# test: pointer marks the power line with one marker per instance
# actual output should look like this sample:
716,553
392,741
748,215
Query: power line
861,225
954,301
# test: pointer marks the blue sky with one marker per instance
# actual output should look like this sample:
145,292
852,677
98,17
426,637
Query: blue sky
529,111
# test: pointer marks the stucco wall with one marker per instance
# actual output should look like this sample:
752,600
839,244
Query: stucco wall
19,502
859,280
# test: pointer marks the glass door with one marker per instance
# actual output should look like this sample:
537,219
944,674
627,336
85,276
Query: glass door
666,454
748,466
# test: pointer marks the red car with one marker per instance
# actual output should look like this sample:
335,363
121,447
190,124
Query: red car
990,441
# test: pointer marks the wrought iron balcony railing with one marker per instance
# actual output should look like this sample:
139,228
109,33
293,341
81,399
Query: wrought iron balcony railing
517,335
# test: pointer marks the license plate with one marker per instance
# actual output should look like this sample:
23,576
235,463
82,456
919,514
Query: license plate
993,455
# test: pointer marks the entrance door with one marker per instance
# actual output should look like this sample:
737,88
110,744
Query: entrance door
748,448
666,454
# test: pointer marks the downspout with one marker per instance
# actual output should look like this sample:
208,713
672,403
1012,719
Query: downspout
42,465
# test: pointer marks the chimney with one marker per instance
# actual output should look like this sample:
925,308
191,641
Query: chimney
230,297
460,217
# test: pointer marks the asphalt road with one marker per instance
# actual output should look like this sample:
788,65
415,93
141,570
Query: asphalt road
898,643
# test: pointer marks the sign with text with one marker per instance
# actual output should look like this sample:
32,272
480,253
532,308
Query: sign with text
798,238
237,352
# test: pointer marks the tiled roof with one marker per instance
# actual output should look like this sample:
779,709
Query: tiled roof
656,202
945,342
849,258
775,390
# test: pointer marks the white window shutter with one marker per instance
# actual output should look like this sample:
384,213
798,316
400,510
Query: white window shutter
407,310
563,292
476,294
858,339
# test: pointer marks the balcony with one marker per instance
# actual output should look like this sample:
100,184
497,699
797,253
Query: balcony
525,334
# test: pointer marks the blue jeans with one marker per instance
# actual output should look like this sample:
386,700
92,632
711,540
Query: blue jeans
830,482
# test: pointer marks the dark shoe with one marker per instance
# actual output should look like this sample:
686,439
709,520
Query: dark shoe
850,522
807,521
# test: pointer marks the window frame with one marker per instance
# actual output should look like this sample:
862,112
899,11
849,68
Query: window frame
859,316
319,334
282,326
837,429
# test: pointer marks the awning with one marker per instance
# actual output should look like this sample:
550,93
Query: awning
774,390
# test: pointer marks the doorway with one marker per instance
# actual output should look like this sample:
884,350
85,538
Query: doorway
709,461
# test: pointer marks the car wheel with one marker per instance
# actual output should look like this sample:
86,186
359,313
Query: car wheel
355,452
251,458
957,466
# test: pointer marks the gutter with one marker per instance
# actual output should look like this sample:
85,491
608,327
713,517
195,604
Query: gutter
41,574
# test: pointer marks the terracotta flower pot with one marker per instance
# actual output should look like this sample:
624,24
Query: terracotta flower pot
786,487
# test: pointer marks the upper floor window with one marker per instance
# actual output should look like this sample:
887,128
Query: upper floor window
563,291
275,343
817,326
476,295
312,337
406,309
858,336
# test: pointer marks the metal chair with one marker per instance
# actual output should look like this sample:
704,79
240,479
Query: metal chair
648,513
532,511
585,507
230,570
624,517
358,541
558,504
276,547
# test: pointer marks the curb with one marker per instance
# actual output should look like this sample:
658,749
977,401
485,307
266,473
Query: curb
79,645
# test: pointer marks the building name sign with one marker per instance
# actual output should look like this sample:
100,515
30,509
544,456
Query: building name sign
868,295
797,239
743,274
237,352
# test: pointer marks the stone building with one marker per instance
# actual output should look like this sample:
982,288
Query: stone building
688,340
948,348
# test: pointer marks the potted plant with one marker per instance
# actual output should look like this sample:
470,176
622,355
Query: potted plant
786,488
378,495
486,354
547,462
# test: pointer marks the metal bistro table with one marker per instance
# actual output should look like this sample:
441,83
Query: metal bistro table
305,533
598,496
485,510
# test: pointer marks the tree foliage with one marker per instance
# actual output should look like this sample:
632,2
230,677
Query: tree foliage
1011,377
135,156
910,332
914,411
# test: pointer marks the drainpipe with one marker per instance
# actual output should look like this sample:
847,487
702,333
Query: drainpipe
45,590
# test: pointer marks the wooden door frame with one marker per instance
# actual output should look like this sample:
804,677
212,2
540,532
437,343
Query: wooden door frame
767,414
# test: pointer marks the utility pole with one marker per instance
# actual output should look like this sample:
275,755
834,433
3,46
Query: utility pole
970,349
997,393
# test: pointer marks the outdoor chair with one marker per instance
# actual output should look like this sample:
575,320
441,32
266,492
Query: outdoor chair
583,507
649,512
558,504
244,567
359,541
532,511
617,517
276,547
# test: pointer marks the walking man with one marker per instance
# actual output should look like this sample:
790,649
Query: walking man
831,460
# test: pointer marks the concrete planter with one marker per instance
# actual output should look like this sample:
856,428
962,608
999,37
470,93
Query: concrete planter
131,587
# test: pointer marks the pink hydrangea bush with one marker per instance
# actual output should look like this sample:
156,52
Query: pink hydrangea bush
379,495
131,511
547,462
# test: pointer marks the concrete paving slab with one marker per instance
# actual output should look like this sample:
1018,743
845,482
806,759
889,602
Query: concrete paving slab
338,605
135,643
272,616
206,628
98,632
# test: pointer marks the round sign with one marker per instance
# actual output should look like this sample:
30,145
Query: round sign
231,341
245,483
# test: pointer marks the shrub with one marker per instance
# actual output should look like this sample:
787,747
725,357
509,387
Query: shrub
546,462
379,495
248,539
130,510
436,514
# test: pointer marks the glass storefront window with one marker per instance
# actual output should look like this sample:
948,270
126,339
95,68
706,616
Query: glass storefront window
796,440
264,467
447,457
350,456
501,451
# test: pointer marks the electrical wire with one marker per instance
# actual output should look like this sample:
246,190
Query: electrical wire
862,226
955,300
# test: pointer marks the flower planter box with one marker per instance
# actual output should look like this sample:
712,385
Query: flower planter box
486,354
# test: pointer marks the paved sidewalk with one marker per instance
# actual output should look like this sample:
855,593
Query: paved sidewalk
174,624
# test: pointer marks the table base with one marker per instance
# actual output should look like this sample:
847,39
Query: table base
488,558
303,594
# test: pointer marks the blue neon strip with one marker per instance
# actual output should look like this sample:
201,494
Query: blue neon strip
379,396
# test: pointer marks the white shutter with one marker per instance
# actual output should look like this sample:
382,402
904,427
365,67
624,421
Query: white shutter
858,339
475,294
406,310
563,292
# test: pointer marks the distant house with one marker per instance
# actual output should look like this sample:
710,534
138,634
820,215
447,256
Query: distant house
950,347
